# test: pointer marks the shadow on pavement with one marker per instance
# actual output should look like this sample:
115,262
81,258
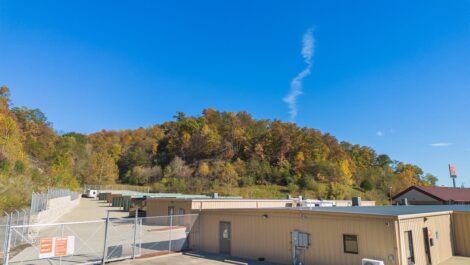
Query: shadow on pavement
226,258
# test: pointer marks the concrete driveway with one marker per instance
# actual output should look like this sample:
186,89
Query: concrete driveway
456,261
172,259
193,257
91,209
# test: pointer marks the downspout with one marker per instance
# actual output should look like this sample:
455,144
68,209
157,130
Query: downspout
199,233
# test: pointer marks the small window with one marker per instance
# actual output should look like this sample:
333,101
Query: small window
180,211
350,244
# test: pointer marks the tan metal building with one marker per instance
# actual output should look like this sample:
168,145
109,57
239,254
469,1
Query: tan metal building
180,206
396,235
461,220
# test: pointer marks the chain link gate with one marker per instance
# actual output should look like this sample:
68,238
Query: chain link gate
97,242
63,243
164,234
120,239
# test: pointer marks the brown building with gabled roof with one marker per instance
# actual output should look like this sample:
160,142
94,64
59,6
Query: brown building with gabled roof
426,195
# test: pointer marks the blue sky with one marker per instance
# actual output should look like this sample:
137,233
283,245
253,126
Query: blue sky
393,75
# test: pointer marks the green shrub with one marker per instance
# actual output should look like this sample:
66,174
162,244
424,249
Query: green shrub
19,167
366,185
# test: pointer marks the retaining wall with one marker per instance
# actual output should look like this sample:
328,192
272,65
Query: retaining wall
55,209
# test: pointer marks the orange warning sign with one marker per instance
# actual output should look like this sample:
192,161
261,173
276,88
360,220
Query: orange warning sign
56,247
45,247
61,246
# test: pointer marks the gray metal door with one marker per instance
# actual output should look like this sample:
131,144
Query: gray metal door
225,234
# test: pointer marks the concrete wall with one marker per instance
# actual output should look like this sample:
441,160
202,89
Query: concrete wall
269,237
461,221
441,229
55,209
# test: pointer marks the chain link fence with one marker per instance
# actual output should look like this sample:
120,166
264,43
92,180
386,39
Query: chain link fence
117,188
23,218
15,218
39,201
97,242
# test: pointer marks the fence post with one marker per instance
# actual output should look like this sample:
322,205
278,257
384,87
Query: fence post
6,255
135,232
140,236
5,237
32,202
17,220
171,228
28,223
105,245
24,226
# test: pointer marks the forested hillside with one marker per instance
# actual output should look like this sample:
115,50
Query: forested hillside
227,152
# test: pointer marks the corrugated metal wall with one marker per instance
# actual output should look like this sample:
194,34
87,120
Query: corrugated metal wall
461,222
442,249
254,236
156,207
109,197
239,204
159,207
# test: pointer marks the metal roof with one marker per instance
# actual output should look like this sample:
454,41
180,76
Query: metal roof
172,195
391,210
441,193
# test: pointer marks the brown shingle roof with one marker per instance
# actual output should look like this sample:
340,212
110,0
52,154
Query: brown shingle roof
442,193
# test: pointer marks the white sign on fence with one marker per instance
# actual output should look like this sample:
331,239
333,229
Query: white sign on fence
56,247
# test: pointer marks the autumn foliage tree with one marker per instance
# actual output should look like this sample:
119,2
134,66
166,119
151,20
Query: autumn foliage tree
214,151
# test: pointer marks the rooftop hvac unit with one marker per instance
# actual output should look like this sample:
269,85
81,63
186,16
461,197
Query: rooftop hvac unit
316,203
372,262
356,201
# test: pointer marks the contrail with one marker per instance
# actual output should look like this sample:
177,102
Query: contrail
308,45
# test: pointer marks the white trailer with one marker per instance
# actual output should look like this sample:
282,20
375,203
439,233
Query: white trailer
91,193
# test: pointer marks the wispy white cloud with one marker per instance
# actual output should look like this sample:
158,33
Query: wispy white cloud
379,133
308,46
441,144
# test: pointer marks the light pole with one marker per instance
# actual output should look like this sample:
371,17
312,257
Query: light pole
390,195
